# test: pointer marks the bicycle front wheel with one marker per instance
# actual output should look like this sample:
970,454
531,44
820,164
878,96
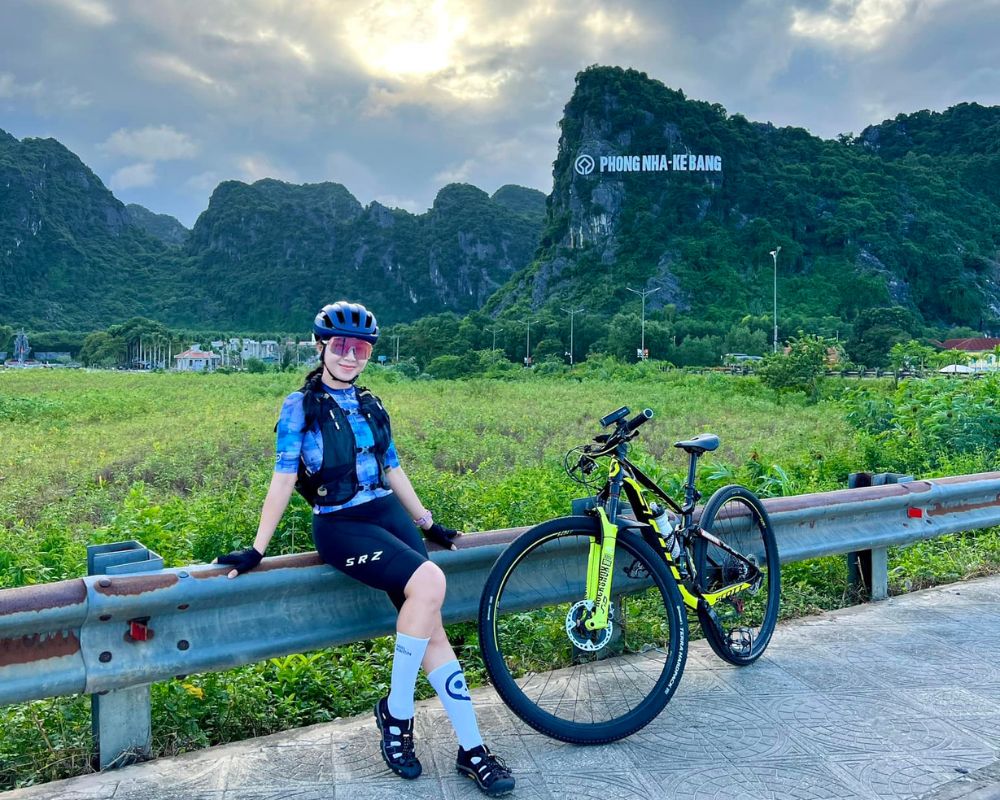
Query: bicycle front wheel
743,620
580,686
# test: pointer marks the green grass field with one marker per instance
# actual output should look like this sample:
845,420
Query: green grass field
181,462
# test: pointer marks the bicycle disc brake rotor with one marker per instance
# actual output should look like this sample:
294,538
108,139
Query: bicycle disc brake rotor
578,634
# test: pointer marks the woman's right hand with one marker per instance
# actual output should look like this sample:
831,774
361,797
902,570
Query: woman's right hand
241,560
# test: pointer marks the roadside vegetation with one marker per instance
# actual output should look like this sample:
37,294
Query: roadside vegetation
181,462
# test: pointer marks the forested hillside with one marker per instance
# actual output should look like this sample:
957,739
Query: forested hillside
275,252
905,214
261,257
70,256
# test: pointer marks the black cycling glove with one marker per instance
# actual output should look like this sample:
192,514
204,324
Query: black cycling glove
241,560
440,535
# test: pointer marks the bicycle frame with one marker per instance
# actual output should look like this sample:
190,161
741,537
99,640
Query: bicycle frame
625,476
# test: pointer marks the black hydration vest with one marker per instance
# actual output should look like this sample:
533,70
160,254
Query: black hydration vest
336,481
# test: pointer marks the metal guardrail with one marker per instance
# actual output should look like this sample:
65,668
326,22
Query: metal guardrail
75,636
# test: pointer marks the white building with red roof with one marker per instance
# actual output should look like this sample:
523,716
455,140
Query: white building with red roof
197,360
984,353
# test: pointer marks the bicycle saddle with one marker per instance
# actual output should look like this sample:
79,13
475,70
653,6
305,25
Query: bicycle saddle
702,443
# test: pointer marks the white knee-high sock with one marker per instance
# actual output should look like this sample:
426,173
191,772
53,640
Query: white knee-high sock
449,682
405,666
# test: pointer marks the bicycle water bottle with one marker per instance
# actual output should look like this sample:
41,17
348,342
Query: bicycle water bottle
665,522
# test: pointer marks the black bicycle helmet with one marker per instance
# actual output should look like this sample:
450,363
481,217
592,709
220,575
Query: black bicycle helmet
345,319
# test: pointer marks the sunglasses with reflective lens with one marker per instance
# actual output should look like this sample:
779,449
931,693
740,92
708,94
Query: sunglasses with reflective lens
342,345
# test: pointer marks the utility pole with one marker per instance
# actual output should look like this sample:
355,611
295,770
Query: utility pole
396,337
572,313
642,294
495,330
527,345
774,255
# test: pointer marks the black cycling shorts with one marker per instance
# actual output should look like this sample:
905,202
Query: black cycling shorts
375,542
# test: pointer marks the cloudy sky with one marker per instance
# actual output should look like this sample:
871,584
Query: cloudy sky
395,98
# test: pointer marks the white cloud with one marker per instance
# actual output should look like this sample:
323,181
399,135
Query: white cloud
170,66
257,166
133,176
152,143
47,99
10,87
93,12
862,24
456,173
393,98
613,23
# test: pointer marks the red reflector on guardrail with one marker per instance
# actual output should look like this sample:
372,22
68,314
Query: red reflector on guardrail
139,631
914,513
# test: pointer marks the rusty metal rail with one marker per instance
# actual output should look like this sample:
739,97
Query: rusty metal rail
76,636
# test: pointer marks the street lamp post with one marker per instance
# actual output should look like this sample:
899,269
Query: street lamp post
642,294
774,255
572,313
495,330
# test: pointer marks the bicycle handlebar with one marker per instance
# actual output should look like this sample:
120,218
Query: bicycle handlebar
606,443
643,416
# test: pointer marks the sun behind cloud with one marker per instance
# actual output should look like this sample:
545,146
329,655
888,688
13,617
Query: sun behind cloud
399,39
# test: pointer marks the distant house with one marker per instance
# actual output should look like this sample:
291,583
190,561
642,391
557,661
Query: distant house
982,352
197,360
269,351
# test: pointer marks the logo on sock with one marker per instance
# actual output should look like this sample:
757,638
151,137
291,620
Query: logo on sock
403,650
456,687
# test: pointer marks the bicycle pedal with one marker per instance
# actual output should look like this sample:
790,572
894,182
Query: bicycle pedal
740,640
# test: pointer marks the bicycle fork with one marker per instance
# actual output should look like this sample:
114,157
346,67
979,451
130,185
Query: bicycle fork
600,564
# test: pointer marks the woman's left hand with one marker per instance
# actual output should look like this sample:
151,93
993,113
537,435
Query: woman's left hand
440,535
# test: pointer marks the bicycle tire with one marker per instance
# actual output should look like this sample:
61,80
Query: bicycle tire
744,623
521,641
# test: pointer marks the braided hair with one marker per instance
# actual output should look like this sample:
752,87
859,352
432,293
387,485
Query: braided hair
312,392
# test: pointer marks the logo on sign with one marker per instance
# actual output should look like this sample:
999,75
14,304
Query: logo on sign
584,164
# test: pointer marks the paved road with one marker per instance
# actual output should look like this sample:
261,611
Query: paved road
899,699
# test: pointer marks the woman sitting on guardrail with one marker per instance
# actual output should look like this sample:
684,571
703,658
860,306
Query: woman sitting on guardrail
334,444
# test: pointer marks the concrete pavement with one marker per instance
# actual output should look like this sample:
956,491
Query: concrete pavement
898,699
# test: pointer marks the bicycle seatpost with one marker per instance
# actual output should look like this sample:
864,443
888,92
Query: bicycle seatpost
691,494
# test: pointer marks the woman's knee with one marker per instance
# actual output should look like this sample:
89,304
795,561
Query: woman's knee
427,584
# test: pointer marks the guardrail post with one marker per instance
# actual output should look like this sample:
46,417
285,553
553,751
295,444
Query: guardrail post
122,719
868,570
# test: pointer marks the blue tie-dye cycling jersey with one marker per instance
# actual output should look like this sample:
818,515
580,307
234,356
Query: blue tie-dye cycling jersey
293,443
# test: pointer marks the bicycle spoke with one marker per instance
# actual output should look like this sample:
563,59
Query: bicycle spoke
591,678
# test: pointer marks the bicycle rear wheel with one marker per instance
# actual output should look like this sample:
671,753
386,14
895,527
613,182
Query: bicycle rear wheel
585,687
741,626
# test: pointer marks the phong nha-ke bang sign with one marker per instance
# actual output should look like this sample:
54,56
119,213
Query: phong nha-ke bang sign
585,164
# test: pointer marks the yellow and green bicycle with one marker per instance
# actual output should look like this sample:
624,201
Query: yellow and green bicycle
582,621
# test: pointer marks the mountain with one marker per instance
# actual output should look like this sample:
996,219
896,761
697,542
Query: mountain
261,257
274,252
908,213
69,255
164,227
528,202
